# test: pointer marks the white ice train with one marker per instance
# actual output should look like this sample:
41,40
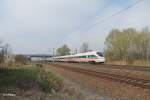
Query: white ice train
92,57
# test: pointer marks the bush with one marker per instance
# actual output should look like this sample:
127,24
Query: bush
49,82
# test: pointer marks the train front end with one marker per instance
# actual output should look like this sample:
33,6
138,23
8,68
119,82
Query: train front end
101,58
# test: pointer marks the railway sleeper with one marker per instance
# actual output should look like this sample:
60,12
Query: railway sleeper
132,81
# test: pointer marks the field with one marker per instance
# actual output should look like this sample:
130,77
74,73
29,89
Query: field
27,80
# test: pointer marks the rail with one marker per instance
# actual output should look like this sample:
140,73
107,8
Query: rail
138,82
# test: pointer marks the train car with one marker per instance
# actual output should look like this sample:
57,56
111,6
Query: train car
92,57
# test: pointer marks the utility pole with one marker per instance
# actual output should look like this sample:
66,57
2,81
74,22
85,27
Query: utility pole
53,53
2,54
76,51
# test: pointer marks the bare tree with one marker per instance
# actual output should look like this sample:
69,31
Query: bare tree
5,52
85,47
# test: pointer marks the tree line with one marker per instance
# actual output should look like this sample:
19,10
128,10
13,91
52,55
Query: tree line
7,58
128,45
65,50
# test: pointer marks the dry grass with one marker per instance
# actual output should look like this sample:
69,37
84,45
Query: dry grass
135,63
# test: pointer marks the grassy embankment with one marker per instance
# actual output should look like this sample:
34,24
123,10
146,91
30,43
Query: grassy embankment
28,77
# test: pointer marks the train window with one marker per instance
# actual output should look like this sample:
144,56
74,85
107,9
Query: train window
82,56
91,56
100,54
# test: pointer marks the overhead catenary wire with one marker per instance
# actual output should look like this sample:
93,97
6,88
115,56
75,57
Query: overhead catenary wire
108,17
114,14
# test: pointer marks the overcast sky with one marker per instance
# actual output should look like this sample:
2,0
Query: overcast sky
37,26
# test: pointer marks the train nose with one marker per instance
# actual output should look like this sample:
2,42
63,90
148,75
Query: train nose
102,59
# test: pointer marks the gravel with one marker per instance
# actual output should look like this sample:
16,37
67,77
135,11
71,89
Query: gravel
102,89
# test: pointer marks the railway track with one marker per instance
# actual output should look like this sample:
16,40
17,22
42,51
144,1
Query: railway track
135,68
138,82
127,67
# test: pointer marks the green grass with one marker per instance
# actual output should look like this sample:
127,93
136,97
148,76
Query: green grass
27,77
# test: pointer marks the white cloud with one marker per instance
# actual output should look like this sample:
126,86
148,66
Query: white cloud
34,26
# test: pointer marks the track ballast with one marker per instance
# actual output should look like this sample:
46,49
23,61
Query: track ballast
138,82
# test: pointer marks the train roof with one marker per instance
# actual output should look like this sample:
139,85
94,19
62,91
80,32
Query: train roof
79,54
